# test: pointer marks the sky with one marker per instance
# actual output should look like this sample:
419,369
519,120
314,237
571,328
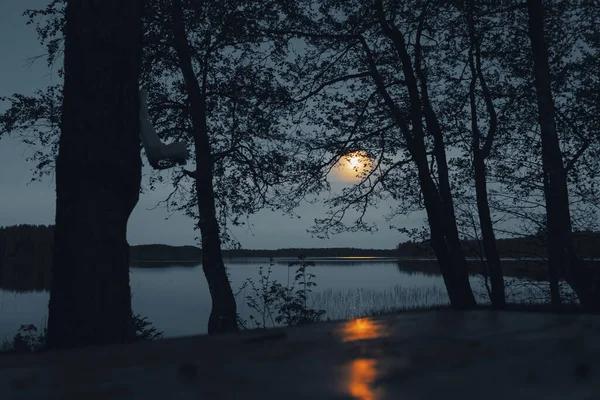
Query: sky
22,202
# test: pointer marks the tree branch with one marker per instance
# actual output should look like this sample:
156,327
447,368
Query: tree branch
331,82
191,174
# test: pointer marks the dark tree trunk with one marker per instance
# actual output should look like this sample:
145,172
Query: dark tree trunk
442,209
449,253
562,257
553,275
498,297
98,174
223,316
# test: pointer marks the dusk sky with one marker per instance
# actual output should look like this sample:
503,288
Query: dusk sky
34,203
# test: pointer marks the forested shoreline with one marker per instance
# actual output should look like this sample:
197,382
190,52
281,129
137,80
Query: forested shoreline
24,244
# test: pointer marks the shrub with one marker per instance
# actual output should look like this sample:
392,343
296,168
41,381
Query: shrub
278,304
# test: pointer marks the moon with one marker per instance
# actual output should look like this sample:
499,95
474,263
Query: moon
354,162
353,165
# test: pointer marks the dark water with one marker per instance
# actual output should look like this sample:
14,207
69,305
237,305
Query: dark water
176,298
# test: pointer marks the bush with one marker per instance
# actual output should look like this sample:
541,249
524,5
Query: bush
278,304
26,340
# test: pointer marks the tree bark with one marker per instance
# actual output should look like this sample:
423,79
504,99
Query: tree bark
98,174
223,316
562,257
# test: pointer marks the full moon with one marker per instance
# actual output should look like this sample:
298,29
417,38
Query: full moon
354,162
351,166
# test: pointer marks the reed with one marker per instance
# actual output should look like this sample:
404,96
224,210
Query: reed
343,304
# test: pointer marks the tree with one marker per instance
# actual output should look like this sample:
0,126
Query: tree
562,257
515,162
387,111
471,113
224,93
98,174
223,316
234,128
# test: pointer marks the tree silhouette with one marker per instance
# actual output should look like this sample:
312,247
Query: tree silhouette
98,174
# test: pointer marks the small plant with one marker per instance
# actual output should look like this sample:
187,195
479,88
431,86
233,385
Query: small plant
27,340
144,329
263,299
278,304
294,308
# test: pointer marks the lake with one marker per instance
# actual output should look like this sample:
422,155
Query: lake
175,297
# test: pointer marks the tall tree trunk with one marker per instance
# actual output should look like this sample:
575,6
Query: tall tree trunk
451,259
443,204
98,174
561,253
223,316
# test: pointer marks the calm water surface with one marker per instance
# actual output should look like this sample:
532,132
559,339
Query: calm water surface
176,298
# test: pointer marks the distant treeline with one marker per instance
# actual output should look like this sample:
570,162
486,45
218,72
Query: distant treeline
587,245
163,252
313,252
26,254
160,252
33,244
27,244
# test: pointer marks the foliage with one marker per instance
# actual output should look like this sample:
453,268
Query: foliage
246,102
278,304
515,164
27,339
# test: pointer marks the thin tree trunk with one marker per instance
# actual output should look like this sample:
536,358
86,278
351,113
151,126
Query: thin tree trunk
98,174
223,316
561,253
497,295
